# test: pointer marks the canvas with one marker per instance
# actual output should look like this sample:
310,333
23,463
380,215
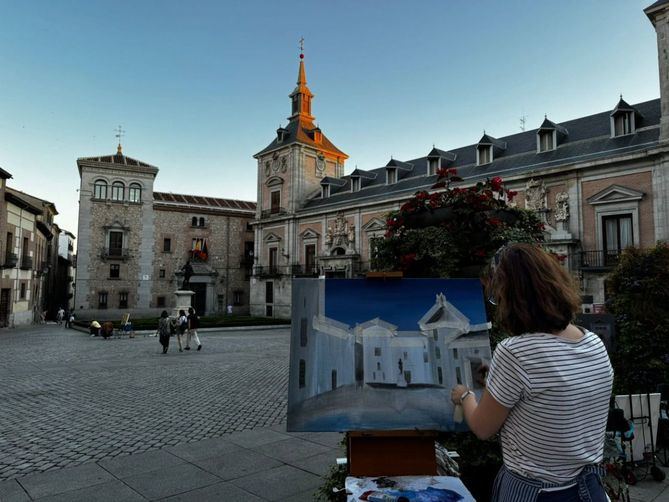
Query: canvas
370,354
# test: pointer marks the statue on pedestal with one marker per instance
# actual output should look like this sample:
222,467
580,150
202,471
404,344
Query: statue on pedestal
187,270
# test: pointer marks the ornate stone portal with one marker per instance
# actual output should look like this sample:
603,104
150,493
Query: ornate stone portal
340,257
535,196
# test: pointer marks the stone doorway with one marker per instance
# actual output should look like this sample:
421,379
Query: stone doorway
200,298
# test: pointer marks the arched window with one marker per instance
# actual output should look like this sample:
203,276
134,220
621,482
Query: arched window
117,190
193,221
135,192
100,189
201,222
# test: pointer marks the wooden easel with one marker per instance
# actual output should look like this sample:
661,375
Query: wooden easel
391,453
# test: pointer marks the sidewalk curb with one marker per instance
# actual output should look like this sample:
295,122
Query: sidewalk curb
263,327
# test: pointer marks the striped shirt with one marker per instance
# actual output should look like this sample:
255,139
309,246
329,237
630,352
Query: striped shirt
558,391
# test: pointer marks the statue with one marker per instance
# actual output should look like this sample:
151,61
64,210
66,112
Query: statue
351,235
535,195
562,206
328,237
187,269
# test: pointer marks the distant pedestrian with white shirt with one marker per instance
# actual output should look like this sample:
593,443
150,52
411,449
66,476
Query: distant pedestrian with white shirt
548,386
60,315
193,325
182,328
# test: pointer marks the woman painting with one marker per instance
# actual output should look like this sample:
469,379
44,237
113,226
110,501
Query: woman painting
548,386
164,331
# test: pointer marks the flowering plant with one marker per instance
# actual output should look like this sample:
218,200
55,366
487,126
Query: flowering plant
451,230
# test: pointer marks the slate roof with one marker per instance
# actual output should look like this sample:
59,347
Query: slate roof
202,201
657,6
589,139
116,159
4,174
31,200
299,131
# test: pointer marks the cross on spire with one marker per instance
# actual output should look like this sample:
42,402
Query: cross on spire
301,44
120,132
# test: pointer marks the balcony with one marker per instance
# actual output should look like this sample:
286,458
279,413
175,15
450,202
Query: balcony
26,262
304,271
11,259
600,260
115,254
275,211
274,271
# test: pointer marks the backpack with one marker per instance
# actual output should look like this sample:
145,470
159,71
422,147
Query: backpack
184,325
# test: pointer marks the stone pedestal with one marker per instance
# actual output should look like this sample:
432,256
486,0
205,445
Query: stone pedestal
183,301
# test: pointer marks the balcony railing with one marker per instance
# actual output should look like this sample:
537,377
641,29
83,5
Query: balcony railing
599,260
270,271
26,262
115,254
304,270
10,260
275,211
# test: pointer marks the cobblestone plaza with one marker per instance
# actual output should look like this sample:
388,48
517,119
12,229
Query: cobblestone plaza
68,398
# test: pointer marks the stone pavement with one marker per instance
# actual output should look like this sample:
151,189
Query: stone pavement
83,419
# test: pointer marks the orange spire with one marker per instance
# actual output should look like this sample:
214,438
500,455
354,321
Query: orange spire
301,96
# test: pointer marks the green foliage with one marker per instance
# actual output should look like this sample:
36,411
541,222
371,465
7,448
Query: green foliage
638,297
334,480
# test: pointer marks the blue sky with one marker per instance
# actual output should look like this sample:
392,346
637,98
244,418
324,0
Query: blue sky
201,86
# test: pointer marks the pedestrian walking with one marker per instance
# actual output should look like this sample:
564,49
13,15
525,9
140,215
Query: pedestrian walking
182,327
66,318
164,331
193,324
60,314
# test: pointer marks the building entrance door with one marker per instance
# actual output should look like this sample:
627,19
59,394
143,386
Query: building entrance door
200,298
4,306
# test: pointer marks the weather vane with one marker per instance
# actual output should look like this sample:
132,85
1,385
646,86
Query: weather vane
301,44
119,134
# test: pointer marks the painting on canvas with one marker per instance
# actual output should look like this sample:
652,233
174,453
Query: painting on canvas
383,354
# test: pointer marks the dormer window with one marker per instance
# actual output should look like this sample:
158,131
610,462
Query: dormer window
281,134
325,191
318,135
391,176
355,184
432,166
624,119
622,124
546,141
483,155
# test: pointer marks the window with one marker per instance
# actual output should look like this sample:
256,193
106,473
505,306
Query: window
310,258
325,191
440,375
135,192
123,300
546,141
355,184
455,353
275,202
432,166
269,292
167,245
117,190
303,332
437,352
115,243
302,373
378,366
435,335
102,300
484,155
391,176
458,375
273,259
160,301
23,291
100,189
618,234
161,273
426,359
268,311
334,379
114,271
201,221
622,124
193,221
237,298
377,351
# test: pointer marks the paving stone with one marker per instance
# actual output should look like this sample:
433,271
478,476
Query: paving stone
128,465
215,493
318,464
72,478
258,437
203,449
278,483
112,491
237,464
291,449
170,481
12,491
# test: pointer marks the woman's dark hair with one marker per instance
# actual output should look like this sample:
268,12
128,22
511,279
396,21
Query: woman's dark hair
163,314
533,292
182,312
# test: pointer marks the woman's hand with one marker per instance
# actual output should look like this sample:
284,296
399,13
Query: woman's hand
457,392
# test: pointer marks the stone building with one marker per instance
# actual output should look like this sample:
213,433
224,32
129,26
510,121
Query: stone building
134,242
600,183
66,270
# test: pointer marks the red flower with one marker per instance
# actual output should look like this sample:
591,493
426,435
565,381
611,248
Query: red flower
510,194
496,183
495,222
